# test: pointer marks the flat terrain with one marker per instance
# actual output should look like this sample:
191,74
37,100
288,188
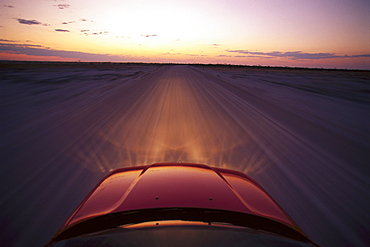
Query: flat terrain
302,134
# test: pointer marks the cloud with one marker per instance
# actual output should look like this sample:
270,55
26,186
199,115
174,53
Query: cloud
89,32
149,35
39,50
9,6
169,53
195,55
85,20
62,6
295,55
28,22
85,31
65,22
7,40
216,45
62,30
361,55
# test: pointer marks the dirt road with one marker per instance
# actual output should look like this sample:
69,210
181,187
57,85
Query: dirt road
64,129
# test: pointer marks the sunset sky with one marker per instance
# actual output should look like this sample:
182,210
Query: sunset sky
301,33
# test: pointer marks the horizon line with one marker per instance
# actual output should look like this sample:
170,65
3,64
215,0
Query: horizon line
180,63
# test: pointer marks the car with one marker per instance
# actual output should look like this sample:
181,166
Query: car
179,204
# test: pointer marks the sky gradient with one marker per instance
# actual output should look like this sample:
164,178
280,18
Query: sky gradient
315,33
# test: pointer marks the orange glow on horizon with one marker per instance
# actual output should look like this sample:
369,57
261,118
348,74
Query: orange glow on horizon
191,31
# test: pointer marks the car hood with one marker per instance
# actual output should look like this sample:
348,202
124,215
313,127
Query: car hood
179,191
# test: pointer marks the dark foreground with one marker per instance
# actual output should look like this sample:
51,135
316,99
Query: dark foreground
302,135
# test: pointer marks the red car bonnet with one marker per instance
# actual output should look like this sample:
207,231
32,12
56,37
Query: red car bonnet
173,185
